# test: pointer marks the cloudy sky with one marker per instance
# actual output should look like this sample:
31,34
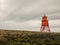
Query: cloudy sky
27,14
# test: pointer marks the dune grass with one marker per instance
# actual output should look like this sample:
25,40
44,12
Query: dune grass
28,38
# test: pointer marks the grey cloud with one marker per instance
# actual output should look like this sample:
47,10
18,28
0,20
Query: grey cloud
23,11
28,9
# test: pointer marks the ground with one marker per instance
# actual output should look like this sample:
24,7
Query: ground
11,37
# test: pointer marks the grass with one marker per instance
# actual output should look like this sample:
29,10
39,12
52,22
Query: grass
28,38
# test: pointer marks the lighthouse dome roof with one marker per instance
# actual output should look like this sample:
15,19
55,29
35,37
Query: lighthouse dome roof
44,16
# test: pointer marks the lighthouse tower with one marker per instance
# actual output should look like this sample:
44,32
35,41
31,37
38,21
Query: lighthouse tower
44,24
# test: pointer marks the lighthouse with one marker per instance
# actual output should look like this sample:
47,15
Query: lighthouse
44,25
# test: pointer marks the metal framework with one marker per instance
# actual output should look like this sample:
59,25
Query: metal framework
45,25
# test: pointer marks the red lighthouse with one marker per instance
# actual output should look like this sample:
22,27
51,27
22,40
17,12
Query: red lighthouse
45,25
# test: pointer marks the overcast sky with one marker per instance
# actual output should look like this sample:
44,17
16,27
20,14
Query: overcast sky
27,14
